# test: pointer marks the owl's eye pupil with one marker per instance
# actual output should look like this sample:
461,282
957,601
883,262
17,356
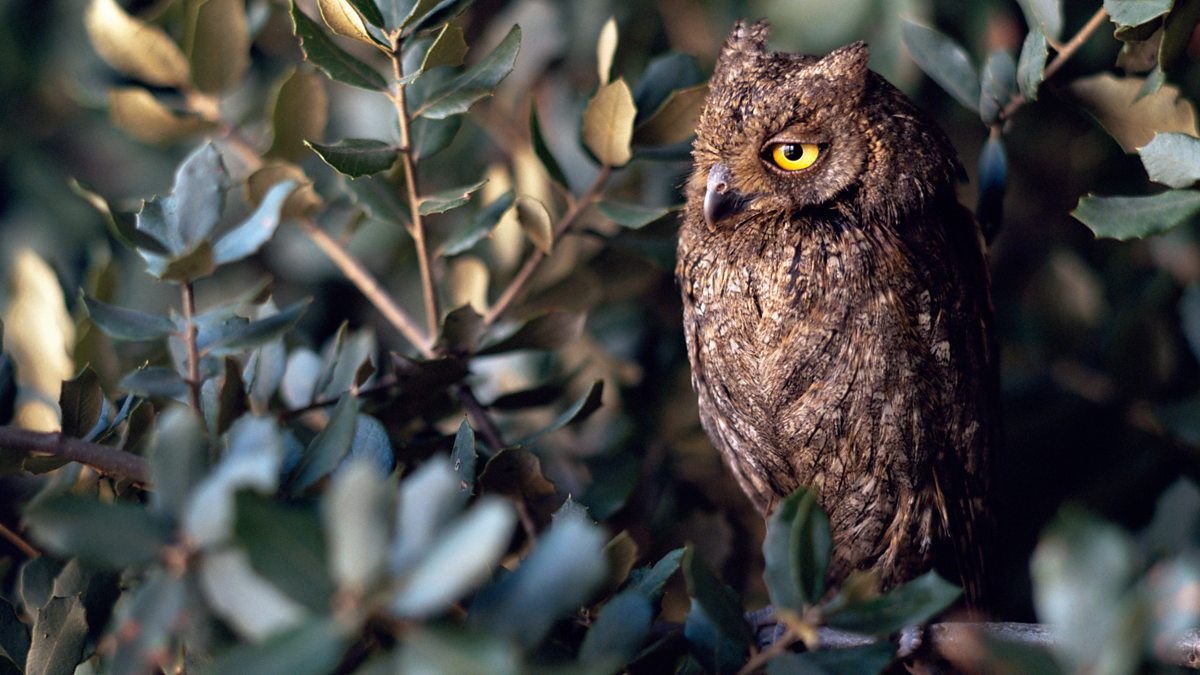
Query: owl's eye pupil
792,156
792,152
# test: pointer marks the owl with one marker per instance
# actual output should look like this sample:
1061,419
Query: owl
836,308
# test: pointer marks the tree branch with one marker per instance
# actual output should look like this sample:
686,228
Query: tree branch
189,339
107,460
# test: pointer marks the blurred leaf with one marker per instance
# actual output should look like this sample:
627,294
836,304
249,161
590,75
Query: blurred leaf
332,59
121,225
430,136
356,521
303,200
581,409
461,330
299,112
429,498
534,397
456,95
1136,217
619,631
343,360
141,115
997,85
251,604
459,560
944,61
714,627
229,401
1178,27
154,381
245,239
608,123
260,331
1181,419
356,157
219,45
462,459
993,182
127,324
621,552
633,216
135,48
1045,16
437,648
285,546
516,473
910,604
188,215
35,582
452,198
796,550
186,267
379,198
535,223
81,403
371,444
178,461
59,632
1031,67
546,332
116,535
252,458
1172,159
145,630
558,576
315,647
440,12
1173,620
329,447
448,48
479,227
1136,12
865,660
344,19
1132,119
14,635
650,581
544,155
663,76
606,47
370,11
675,120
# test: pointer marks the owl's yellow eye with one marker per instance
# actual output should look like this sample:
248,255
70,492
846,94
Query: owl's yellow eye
795,156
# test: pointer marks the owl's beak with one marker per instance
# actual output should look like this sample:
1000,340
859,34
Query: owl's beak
720,199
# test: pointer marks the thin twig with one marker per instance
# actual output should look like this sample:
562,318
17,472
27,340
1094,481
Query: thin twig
1066,51
535,258
483,422
16,540
106,460
189,339
759,660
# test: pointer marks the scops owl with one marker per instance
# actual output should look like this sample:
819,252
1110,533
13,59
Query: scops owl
836,308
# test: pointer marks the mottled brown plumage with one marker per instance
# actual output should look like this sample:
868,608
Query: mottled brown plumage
837,317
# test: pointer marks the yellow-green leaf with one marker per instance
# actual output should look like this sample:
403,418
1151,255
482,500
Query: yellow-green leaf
343,19
298,113
606,48
142,116
219,48
608,123
134,47
1133,121
535,222
448,48
675,120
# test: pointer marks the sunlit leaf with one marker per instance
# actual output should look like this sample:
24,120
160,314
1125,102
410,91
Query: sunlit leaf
1137,217
39,337
134,47
944,61
1031,67
332,59
299,111
535,223
356,157
468,280
675,120
606,48
127,324
608,123
138,113
429,498
451,198
456,95
303,200
1172,159
219,45
187,216
253,606
343,19
1136,12
1116,103
252,458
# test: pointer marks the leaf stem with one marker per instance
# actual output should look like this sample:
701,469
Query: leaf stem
16,540
1065,52
189,339
105,459
535,258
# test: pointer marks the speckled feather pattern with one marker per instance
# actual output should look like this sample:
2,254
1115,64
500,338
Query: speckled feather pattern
838,322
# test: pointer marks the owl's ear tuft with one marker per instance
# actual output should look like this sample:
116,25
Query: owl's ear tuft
848,64
749,38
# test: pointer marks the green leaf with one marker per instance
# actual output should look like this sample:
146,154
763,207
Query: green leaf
675,120
154,381
127,324
371,444
714,627
356,157
558,576
218,45
252,458
121,225
580,410
910,604
138,113
1136,12
796,550
448,48
260,331
621,552
147,627
430,136
357,525
1044,16
997,86
315,647
429,498
285,546
544,155
462,459
326,451
299,111
460,559
619,631
332,59
245,239
456,95
944,61
516,473
633,216
1031,67
434,648
1137,217
186,217
480,226
452,198
650,581
1172,159
60,632
394,12
429,13
544,332
608,123
189,266
664,75
253,606
82,404
116,535
14,635
866,660
178,461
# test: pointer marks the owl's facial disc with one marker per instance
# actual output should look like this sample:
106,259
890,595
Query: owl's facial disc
720,199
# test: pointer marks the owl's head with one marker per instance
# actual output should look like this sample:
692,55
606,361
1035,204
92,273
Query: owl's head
783,132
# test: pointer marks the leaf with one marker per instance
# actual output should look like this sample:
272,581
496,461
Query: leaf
633,216
127,324
1178,27
370,445
479,227
186,217
608,123
344,19
286,547
154,381
1045,16
1031,66
299,112
621,552
137,49
252,458
1172,159
244,240
650,581
116,535
1136,12
356,157
993,182
82,404
370,11
315,647
456,95
714,626
664,74
796,550
448,48
461,330
188,266
355,515
59,634
147,626
435,648
997,86
429,13
219,45
138,113
251,604
459,560
178,461
544,332
580,410
302,202
535,223
944,61
606,48
558,576
120,224
544,155
260,331
330,58
619,631
865,660
910,604
1137,217
462,459
675,120
429,498
452,198
1114,103
430,136
326,451
516,473
14,635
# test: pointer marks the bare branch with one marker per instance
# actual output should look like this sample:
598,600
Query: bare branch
105,459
